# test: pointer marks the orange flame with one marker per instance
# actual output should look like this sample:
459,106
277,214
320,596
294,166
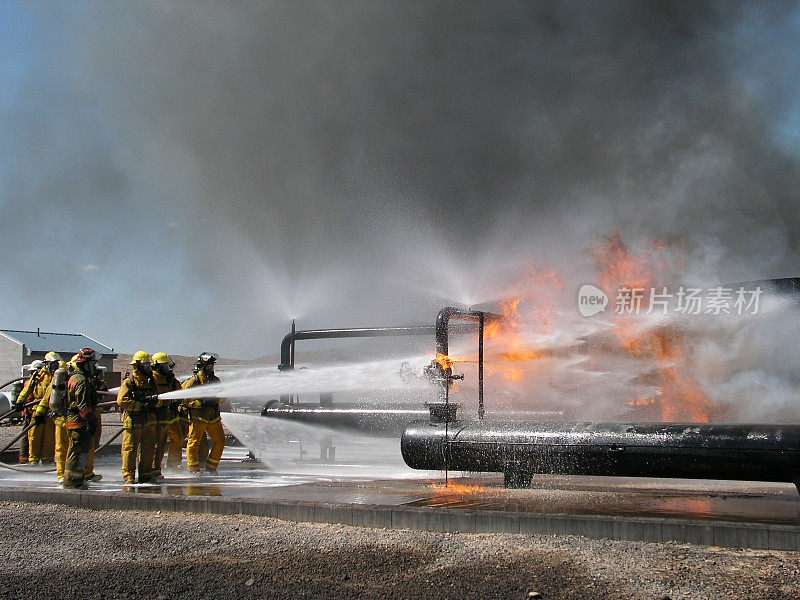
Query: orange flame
680,396
539,290
447,361
454,488
531,312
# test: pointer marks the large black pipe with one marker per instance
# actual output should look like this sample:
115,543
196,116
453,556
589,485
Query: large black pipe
384,420
674,450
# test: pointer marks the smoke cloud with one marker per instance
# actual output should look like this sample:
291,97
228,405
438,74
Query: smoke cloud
191,176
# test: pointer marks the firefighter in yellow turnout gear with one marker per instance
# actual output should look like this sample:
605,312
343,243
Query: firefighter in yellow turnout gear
177,432
26,395
57,404
204,417
100,385
166,381
137,395
81,420
42,436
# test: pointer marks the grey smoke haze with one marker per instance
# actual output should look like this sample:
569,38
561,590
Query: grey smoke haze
227,166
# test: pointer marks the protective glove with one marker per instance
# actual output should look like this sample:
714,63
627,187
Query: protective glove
151,401
209,402
39,418
19,406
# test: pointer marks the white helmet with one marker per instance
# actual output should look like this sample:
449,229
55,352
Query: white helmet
34,366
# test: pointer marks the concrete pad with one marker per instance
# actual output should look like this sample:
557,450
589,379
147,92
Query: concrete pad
153,502
692,532
333,513
783,538
258,508
293,511
460,522
636,529
224,506
740,536
191,504
495,522
371,516
410,504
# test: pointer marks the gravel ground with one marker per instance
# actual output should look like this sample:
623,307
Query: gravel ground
59,552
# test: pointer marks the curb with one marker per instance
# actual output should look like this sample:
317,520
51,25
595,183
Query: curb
710,533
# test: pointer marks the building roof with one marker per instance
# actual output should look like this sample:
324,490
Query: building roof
63,343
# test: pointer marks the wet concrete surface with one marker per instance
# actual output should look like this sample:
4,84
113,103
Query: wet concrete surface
742,502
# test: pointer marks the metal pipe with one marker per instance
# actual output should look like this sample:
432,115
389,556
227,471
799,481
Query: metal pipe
440,330
481,410
287,355
674,450
294,339
384,420
443,342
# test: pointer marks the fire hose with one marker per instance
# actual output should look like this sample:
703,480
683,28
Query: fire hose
50,469
29,427
108,442
18,438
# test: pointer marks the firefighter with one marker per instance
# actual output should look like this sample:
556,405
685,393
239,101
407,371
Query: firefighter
60,415
42,436
204,417
81,420
100,385
33,391
137,395
27,412
166,381
177,432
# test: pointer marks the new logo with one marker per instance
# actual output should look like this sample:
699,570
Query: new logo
591,300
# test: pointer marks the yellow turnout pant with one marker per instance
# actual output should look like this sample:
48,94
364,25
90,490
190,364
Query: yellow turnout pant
95,445
42,442
138,442
62,445
197,431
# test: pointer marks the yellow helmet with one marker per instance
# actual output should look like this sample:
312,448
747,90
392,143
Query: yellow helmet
160,358
52,357
140,357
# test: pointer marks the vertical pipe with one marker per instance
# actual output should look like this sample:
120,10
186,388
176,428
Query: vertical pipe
446,437
480,366
293,332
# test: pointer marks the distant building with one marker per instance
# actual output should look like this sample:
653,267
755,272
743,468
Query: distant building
18,348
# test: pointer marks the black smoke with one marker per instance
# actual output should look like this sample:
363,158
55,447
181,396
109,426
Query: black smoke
228,166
